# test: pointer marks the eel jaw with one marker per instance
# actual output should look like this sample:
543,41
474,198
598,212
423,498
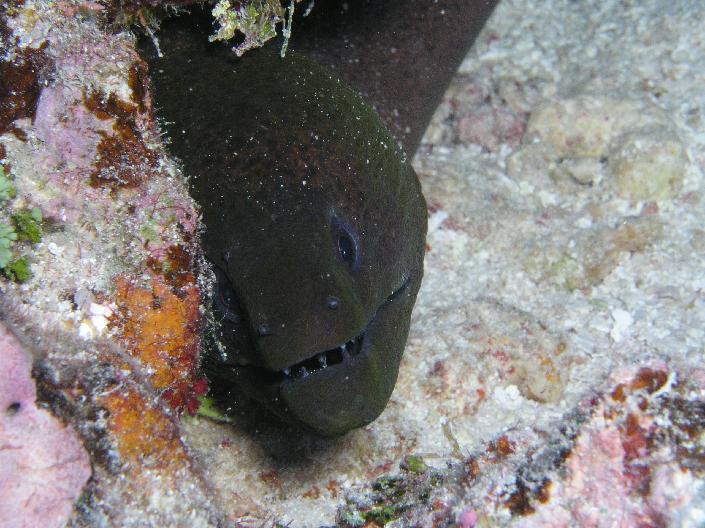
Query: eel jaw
270,381
326,359
353,387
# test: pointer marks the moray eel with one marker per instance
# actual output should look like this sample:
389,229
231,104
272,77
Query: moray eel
400,55
314,223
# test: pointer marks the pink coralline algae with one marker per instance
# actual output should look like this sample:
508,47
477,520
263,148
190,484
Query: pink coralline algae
467,519
43,466
623,469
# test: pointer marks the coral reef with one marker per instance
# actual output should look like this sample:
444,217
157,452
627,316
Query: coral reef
637,461
109,295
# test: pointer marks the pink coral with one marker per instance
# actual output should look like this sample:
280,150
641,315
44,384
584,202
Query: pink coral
43,465
621,472
468,519
67,128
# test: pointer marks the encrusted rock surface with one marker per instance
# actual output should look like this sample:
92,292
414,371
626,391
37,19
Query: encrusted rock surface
109,298
43,466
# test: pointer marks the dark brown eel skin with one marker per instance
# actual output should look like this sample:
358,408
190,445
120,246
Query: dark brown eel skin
400,55
314,219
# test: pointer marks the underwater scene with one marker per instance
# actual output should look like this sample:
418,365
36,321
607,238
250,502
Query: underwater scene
358,263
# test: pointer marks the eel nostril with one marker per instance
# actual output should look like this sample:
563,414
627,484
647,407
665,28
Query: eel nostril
333,302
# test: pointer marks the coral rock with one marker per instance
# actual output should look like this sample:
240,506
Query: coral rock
43,466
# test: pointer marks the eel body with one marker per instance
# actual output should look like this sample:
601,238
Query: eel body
400,55
314,223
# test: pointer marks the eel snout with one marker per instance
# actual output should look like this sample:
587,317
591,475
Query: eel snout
310,391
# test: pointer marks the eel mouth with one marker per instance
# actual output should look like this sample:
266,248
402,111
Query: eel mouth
320,361
316,363
325,359
347,386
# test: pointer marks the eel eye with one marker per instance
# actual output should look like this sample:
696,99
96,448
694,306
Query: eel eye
346,242
225,302
346,249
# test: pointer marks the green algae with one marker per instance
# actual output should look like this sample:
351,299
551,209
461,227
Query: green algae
208,408
7,190
382,515
21,226
28,225
414,464
393,496
256,21
7,238
18,269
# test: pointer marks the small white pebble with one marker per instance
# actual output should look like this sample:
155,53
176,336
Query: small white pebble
584,222
86,330
100,309
99,323
435,220
55,250
622,321
508,397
